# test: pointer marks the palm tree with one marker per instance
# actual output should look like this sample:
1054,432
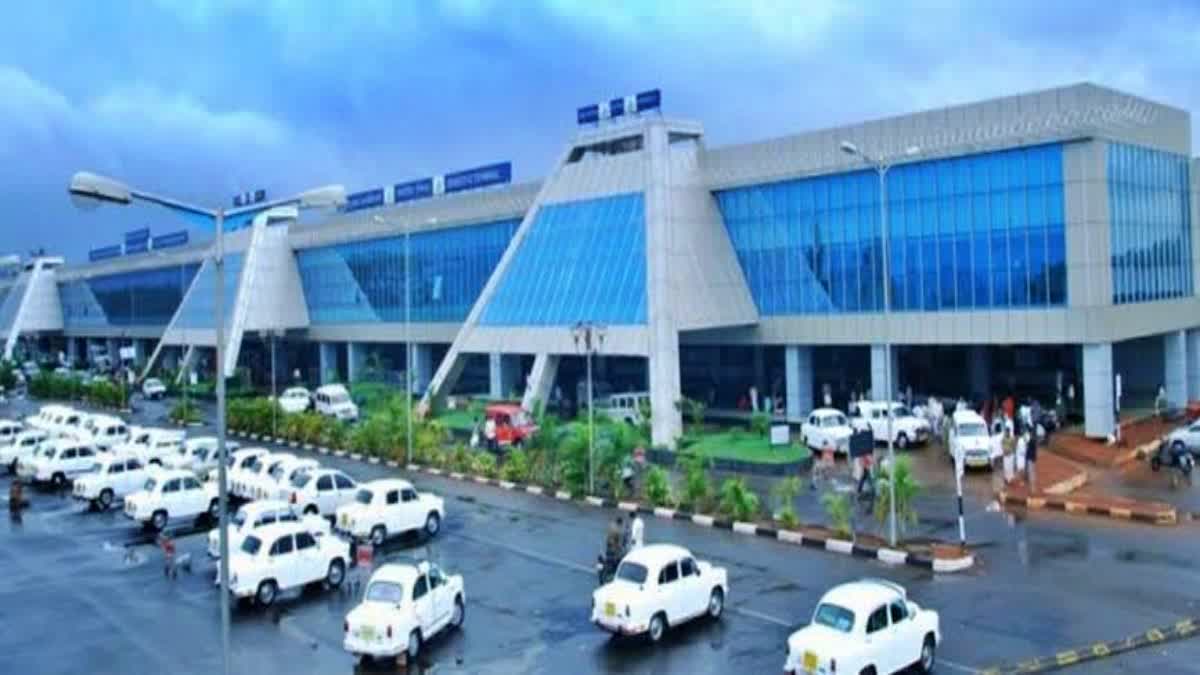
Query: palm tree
907,491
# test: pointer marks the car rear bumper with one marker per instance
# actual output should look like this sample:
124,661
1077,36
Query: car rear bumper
373,648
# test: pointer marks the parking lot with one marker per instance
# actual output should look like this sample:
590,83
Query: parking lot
86,589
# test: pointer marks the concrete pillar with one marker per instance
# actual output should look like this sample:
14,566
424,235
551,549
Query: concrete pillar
139,352
798,380
114,350
600,363
327,354
170,359
979,371
1175,368
760,369
356,361
540,383
879,390
420,365
1193,364
504,375
72,351
1098,411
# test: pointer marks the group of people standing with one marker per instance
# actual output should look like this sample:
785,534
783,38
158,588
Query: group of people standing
1015,435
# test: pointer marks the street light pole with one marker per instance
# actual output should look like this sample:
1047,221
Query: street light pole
408,347
222,455
589,336
881,167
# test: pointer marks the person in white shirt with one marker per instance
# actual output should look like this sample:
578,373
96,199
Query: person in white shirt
637,532
489,433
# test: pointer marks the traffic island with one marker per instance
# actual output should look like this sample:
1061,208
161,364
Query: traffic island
1104,506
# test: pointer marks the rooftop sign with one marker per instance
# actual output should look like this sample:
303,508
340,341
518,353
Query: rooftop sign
104,253
618,107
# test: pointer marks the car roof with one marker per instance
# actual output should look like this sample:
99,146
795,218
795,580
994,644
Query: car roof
386,484
827,411
961,416
164,475
268,533
657,555
331,389
292,390
243,452
864,595
279,457
400,573
260,505
60,443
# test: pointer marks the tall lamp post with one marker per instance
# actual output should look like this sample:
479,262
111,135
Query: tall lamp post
881,166
273,335
88,190
589,338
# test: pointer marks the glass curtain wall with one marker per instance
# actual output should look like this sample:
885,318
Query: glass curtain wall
983,231
140,298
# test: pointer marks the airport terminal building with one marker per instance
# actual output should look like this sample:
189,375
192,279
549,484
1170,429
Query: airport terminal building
1040,244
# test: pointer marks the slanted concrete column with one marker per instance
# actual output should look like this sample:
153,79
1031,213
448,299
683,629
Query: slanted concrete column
1098,411
1193,364
540,382
1175,368
879,390
356,361
420,365
72,351
798,380
979,371
327,356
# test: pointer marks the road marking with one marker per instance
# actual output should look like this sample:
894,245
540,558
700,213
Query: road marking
957,666
761,617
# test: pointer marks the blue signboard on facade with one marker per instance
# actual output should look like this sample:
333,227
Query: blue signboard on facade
104,253
170,239
649,100
588,114
619,107
616,107
137,237
413,189
492,174
364,200
249,197
132,247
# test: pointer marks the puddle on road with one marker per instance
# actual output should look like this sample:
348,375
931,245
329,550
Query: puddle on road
1154,558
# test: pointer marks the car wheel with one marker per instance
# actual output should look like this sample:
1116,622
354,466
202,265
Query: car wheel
460,613
214,510
414,646
433,524
58,480
12,468
869,670
378,535
901,441
310,510
266,593
716,603
106,499
928,655
658,626
336,573
158,521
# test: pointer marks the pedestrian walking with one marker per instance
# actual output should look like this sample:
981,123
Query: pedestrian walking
996,456
1010,407
1009,446
637,532
489,433
823,465
1031,451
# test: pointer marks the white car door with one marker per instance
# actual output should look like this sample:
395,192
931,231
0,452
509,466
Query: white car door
195,497
442,602
172,497
906,637
346,489
423,605
133,478
670,599
879,649
327,501
283,567
85,459
692,587
1193,437
310,556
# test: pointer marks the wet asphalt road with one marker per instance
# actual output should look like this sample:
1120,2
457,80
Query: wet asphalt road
82,590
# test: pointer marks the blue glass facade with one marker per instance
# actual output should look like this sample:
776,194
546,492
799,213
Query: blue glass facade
1151,221
983,231
364,281
199,309
580,261
141,298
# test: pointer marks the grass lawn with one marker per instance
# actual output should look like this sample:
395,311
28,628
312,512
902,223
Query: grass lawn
746,447
460,420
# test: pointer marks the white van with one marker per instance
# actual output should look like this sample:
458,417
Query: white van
625,407
333,400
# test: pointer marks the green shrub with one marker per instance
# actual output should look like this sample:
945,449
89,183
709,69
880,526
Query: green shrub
459,459
517,466
697,486
8,375
657,486
738,500
785,492
907,491
484,464
185,412
760,424
838,509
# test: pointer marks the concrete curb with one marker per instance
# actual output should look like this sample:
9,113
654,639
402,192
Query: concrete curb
885,555
1167,517
1099,650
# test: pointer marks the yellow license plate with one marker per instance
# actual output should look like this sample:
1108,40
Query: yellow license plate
610,609
810,661
345,520
366,633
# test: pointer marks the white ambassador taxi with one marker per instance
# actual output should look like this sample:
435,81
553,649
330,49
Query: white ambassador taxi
969,439
827,427
114,478
255,515
23,446
865,626
404,607
172,494
284,556
390,506
656,587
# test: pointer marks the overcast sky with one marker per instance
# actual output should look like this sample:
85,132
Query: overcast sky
204,100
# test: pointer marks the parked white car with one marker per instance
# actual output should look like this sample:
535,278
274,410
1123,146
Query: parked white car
969,438
153,388
8,431
62,461
626,407
114,478
71,425
656,587
47,417
295,400
265,484
1185,437
245,485
199,455
104,431
826,427
333,400
866,626
322,491
284,556
907,429
256,515
277,484
387,507
23,446
152,445
403,608
172,494
240,462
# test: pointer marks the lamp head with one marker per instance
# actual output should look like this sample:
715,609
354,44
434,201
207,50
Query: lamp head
89,190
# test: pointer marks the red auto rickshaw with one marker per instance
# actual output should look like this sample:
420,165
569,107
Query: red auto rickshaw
513,424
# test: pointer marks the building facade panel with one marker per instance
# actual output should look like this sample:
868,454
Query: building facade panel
141,298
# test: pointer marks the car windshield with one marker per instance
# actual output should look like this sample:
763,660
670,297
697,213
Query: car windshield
385,591
364,497
149,486
834,616
632,572
834,421
901,411
339,399
278,470
300,480
256,465
972,430
239,518
251,545
152,382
